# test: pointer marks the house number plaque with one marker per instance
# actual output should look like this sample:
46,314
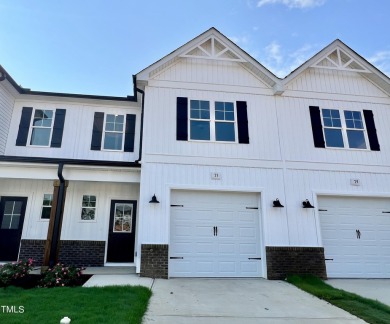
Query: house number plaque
216,176
355,182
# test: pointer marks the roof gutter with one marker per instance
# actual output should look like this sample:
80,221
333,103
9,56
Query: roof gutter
142,92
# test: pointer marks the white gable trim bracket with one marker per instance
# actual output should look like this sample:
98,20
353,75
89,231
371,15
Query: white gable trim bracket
340,60
213,49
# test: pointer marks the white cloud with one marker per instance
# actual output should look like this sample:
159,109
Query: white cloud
281,62
243,40
381,60
293,3
273,53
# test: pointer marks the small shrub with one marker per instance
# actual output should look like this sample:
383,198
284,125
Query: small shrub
14,271
62,276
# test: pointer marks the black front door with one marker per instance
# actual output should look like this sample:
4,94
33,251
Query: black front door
121,232
12,211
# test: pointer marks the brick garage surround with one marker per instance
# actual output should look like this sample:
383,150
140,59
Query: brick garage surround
154,261
78,253
282,260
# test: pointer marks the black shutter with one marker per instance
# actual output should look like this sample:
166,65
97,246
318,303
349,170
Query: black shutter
24,126
182,119
371,130
129,133
242,122
97,132
316,126
58,128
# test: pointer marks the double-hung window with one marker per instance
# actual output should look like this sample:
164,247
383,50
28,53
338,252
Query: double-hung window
200,120
46,206
113,132
212,121
344,128
41,127
88,207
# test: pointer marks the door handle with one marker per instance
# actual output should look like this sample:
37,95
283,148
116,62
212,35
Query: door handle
358,234
216,230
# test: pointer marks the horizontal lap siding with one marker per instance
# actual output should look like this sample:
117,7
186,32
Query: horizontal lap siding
6,106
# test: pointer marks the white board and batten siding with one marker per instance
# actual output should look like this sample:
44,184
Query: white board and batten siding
77,133
355,235
161,110
6,105
215,234
73,228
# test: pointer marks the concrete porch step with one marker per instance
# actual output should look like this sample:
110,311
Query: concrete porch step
111,270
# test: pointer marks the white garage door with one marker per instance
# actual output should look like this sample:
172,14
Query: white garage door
214,234
356,236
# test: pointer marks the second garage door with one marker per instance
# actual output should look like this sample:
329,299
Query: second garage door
356,236
215,234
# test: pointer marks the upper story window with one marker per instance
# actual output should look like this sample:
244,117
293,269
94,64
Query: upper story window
217,121
215,124
353,129
113,132
345,129
41,127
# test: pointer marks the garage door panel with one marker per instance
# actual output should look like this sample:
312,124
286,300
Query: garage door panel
247,217
364,257
220,234
226,249
205,249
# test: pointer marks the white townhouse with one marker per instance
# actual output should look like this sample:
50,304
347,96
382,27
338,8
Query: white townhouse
214,168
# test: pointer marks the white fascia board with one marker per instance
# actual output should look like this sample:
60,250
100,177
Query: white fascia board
371,69
144,75
71,172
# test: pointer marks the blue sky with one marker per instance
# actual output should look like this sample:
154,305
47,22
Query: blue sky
95,46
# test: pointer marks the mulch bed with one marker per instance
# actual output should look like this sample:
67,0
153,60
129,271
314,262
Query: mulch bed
32,281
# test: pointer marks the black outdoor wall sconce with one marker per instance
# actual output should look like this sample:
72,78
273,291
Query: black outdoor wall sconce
277,203
154,200
307,204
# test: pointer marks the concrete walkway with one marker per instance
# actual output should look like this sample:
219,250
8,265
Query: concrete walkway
229,301
101,280
377,289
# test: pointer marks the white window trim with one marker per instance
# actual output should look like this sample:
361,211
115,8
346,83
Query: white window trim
344,129
212,122
81,210
30,131
104,133
51,206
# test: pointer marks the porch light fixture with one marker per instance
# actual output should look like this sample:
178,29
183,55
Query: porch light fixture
154,200
307,204
277,203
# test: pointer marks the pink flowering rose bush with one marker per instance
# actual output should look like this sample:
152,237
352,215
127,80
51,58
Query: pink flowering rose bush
62,276
14,271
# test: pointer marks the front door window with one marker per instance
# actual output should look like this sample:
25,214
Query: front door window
123,218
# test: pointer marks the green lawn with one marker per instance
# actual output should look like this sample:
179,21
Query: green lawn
120,304
367,309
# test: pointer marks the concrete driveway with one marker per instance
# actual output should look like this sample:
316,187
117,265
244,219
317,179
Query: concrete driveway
230,301
377,289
